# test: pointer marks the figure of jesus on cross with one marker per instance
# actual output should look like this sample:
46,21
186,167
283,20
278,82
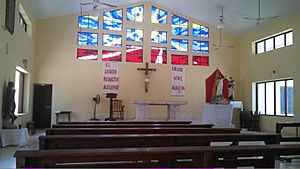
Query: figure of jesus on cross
147,76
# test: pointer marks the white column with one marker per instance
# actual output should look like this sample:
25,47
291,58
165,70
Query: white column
173,111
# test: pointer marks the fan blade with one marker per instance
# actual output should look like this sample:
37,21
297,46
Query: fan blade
107,4
271,17
250,18
88,3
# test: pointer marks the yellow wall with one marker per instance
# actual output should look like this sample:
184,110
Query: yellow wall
76,82
20,46
284,61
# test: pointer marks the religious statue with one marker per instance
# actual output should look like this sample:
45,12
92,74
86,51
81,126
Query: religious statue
219,92
231,85
217,88
147,75
8,115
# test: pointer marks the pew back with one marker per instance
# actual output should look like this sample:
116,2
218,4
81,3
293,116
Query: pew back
147,140
146,130
205,156
125,122
129,125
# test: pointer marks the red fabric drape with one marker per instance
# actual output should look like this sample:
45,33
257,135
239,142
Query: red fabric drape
211,85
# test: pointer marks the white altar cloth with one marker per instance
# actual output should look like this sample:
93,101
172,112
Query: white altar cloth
142,108
218,114
19,137
237,105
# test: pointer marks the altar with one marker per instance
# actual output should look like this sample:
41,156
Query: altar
173,108
218,114
18,137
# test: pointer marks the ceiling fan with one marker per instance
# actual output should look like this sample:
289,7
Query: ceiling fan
259,19
220,26
95,4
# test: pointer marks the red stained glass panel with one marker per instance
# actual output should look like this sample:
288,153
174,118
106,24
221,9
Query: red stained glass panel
87,54
201,60
111,56
180,59
159,55
134,54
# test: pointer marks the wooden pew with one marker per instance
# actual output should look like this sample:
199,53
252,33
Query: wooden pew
125,122
129,125
164,130
281,125
147,140
168,157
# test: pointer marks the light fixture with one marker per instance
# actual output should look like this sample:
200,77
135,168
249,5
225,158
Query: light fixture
221,23
95,4
220,26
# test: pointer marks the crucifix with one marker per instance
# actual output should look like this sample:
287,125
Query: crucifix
147,78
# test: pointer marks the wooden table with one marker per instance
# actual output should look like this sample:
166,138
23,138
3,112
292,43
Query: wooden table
173,108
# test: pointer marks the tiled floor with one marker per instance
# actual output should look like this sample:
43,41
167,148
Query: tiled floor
8,161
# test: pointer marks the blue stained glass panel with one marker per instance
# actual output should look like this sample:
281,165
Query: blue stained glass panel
200,31
135,14
112,20
135,35
200,46
180,26
159,16
85,38
179,45
112,40
158,36
88,22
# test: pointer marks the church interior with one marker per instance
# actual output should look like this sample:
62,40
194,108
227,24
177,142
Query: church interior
232,64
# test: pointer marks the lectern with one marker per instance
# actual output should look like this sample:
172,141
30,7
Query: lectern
111,96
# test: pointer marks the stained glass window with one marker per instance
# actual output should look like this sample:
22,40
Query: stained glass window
88,22
135,14
111,55
112,40
200,31
158,36
135,35
134,54
87,54
159,16
180,59
201,60
180,26
159,55
200,46
85,38
112,20
179,45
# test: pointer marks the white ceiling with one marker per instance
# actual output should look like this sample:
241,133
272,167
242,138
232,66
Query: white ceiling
207,11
